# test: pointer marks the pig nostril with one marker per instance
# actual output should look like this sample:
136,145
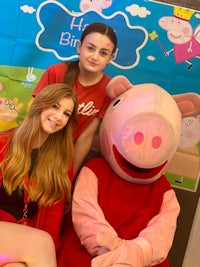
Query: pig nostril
156,142
139,138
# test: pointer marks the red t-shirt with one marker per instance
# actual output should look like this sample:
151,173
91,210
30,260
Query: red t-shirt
92,100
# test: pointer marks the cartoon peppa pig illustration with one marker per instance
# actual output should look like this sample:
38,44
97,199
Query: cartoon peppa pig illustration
184,168
190,132
9,112
96,5
180,32
124,210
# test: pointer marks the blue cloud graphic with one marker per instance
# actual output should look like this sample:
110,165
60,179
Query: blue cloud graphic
61,30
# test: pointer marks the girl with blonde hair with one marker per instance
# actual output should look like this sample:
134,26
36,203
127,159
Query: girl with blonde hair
36,162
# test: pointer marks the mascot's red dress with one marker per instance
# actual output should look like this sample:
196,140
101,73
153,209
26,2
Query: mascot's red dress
124,210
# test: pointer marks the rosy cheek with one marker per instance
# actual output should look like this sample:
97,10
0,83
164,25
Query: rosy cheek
186,30
44,113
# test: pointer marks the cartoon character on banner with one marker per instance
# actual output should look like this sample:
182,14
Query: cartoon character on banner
179,31
190,133
9,112
184,168
30,78
97,5
124,210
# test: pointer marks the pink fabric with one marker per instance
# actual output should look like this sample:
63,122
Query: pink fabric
182,51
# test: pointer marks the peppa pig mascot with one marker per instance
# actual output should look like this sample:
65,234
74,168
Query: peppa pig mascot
124,210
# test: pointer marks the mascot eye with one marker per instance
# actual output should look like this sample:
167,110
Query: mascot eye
116,103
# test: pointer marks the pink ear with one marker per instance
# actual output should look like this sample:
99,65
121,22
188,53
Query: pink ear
188,103
117,86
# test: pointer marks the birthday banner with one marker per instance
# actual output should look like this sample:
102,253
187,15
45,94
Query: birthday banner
157,43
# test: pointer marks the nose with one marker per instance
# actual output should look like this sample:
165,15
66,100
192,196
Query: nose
58,115
162,21
95,54
146,140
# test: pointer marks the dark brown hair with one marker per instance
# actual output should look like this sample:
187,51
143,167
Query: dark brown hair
73,69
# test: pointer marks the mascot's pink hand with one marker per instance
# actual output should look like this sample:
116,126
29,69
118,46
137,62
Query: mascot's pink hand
123,253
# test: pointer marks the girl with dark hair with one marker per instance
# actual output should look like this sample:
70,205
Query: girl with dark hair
96,49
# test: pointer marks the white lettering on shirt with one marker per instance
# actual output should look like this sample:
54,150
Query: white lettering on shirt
87,109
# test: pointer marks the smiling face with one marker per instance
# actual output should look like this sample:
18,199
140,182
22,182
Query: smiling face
55,118
140,132
95,52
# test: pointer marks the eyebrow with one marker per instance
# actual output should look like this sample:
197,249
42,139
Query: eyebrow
104,49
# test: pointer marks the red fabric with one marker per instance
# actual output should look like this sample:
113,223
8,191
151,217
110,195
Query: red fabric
128,207
90,98
48,219
128,211
71,253
6,217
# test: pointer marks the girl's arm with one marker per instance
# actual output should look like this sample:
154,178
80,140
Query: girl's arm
83,144
22,245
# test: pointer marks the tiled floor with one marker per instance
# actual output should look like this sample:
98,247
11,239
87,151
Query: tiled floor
193,4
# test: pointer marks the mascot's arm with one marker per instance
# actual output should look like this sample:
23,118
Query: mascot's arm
87,216
151,246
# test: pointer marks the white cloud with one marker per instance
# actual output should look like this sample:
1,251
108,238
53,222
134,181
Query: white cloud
151,58
27,9
136,10
197,15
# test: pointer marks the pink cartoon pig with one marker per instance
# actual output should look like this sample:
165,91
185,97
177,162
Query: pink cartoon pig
97,5
180,32
124,211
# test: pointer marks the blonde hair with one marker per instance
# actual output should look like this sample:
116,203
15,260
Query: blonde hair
49,179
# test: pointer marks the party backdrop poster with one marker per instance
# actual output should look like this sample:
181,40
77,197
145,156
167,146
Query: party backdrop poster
157,43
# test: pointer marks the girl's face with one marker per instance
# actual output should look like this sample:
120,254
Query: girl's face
55,118
95,52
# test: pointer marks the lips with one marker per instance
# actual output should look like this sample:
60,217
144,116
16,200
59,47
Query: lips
134,171
53,123
92,63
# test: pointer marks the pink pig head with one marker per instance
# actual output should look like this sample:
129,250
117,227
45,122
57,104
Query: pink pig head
140,131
